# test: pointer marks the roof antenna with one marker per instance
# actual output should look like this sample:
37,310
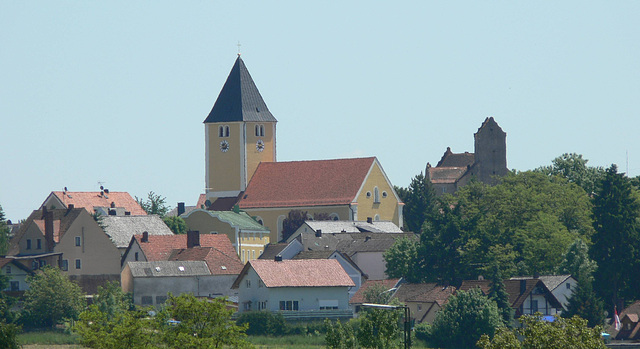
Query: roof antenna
239,48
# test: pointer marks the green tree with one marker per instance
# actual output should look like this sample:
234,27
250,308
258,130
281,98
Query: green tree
9,336
176,224
536,333
574,168
201,324
378,328
4,234
400,259
154,204
51,298
585,303
419,199
464,319
111,300
615,244
122,330
498,293
340,335
295,219
576,261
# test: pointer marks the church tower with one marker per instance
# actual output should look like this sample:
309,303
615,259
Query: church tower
240,132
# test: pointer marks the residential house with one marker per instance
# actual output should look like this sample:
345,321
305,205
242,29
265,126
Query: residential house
241,168
121,228
525,296
151,282
16,273
486,164
311,228
300,289
561,286
149,248
247,235
103,202
386,285
168,258
629,324
424,300
71,239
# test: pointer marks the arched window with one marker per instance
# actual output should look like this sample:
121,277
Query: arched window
259,220
280,227
376,195
220,131
376,218
257,130
261,130
226,131
334,217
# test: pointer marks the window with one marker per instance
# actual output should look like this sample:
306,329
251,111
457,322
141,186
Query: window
384,194
288,305
253,254
334,216
248,283
78,264
260,283
328,304
78,241
64,265
568,286
34,264
15,285
247,306
146,300
376,218
368,194
42,263
262,305
534,306
419,307
223,131
376,195
39,244
161,299
8,270
28,244
226,131
136,256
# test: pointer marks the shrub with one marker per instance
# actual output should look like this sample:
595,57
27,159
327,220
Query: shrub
263,323
9,336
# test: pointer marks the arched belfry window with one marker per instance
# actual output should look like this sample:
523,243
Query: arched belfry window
221,131
259,130
226,131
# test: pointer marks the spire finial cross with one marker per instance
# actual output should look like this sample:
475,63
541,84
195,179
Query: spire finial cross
239,48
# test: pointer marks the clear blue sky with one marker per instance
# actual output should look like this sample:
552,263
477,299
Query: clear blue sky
116,91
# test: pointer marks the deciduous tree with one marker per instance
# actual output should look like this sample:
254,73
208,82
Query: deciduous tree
154,204
419,199
176,224
574,168
401,259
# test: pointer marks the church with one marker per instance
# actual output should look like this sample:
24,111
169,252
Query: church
241,168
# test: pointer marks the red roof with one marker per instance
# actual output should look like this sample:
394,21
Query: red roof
306,183
160,247
301,273
358,297
88,200
218,262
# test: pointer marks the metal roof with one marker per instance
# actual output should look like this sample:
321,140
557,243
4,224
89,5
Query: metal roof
168,268
239,99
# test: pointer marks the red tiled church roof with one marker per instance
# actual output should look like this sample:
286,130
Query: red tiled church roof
300,273
160,247
306,183
89,200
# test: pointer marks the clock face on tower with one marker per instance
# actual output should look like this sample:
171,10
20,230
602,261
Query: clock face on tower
260,145
224,146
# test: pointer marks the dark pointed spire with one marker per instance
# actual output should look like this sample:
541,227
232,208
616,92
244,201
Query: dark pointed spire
239,99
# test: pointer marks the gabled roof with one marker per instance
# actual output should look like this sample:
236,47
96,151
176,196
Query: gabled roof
441,175
160,247
239,99
4,261
218,262
168,268
298,273
306,183
121,228
551,281
62,220
424,293
387,284
88,200
451,159
517,291
354,227
271,250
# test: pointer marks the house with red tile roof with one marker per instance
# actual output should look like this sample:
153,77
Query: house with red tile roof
104,202
486,164
241,168
309,288
526,297
629,324
70,239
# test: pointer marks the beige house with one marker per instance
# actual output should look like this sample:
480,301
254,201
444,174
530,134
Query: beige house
247,235
71,239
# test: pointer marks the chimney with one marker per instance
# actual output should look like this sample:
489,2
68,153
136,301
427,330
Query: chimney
113,204
193,238
71,206
180,208
319,233
127,213
112,212
145,236
278,258
369,220
48,229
